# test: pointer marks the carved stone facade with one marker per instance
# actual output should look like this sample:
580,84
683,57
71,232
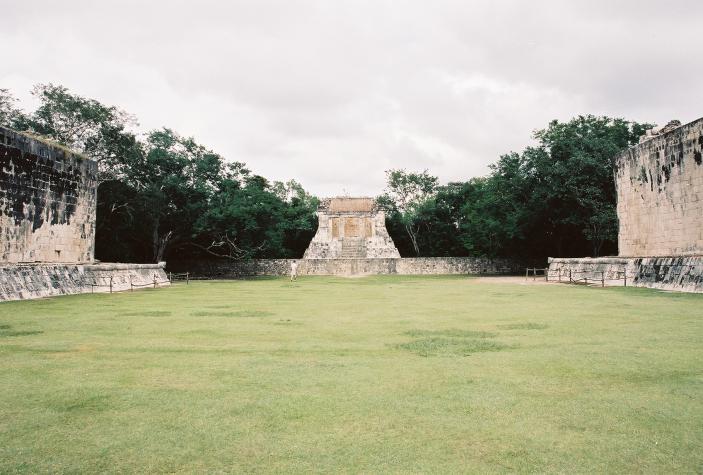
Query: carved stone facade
351,228
47,201
660,193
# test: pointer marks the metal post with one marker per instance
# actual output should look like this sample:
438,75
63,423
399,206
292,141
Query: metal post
602,278
187,278
527,272
154,280
559,274
110,284
570,276
131,287
169,278
534,274
546,274
624,274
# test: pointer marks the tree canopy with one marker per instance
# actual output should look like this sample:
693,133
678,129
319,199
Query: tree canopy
554,199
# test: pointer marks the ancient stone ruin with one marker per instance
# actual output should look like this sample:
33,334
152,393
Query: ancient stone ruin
351,228
660,194
659,186
47,224
47,201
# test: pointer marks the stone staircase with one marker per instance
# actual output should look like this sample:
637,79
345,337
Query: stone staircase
353,248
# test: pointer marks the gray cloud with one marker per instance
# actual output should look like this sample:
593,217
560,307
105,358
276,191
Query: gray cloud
332,93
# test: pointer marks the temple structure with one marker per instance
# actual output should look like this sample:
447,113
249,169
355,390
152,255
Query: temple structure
351,228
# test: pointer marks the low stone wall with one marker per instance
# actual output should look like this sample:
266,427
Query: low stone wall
344,267
684,274
18,282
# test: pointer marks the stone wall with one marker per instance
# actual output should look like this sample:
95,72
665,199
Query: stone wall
18,282
684,273
660,194
348,267
47,201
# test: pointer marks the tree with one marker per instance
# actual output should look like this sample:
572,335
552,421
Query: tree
98,131
175,178
573,187
440,220
248,218
405,194
10,115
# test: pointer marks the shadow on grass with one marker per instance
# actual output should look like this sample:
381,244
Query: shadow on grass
523,326
7,331
439,346
150,313
233,314
451,333
451,342
95,403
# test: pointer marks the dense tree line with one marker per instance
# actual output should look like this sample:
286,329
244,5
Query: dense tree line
164,196
554,199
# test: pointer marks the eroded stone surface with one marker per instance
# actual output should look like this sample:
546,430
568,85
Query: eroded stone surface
47,201
18,282
660,193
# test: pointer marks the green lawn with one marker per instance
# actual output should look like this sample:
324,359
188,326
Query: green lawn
379,374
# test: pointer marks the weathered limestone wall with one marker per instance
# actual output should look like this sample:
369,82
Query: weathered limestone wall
660,194
684,273
47,201
18,282
348,267
351,228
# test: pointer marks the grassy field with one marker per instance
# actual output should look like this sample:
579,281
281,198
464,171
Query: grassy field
380,374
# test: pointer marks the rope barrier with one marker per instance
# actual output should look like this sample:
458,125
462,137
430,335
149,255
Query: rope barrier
593,276
111,285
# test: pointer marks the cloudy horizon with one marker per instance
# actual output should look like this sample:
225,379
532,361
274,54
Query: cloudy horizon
333,93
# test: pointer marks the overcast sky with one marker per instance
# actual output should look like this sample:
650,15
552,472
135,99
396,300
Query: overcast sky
332,93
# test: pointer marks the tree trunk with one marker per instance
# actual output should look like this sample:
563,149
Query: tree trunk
160,243
413,238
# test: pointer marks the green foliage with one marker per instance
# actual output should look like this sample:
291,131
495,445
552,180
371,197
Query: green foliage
98,131
405,195
554,199
10,115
